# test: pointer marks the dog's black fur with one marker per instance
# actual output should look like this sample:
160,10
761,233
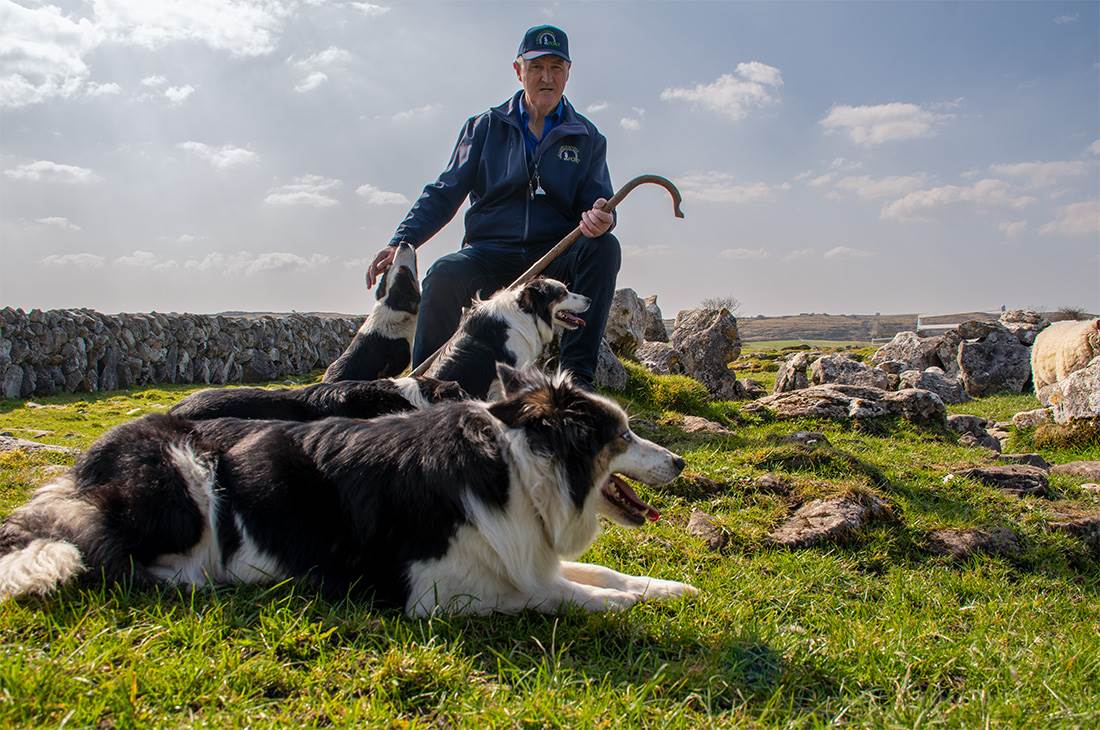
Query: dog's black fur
350,399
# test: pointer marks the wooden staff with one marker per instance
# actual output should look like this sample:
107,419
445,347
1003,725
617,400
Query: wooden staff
563,245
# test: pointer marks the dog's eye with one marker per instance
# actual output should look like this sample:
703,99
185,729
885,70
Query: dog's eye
626,436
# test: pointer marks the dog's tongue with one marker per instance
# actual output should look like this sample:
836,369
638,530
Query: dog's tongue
650,514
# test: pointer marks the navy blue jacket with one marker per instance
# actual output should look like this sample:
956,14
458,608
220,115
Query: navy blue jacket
490,165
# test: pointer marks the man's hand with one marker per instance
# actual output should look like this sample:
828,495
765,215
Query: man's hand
382,261
596,222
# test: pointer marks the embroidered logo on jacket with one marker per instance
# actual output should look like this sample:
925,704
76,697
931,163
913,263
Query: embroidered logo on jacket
569,153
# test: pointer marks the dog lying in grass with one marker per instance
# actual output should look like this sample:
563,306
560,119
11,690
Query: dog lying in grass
467,507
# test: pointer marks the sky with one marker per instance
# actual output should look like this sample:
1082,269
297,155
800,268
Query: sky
214,155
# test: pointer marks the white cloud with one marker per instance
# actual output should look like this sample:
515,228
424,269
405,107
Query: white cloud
751,86
1094,148
419,111
178,94
876,124
79,260
871,188
720,187
249,264
656,250
984,193
47,171
630,124
1075,219
153,81
1063,19
599,106
41,54
821,180
377,196
799,253
241,27
311,82
331,56
743,254
1041,174
802,175
145,260
58,222
311,190
846,252
223,157
186,238
1012,229
110,89
370,9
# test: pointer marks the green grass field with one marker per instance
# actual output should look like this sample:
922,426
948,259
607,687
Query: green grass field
874,632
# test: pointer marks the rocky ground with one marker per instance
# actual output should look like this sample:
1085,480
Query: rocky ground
865,553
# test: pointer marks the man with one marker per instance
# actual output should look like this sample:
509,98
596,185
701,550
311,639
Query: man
534,169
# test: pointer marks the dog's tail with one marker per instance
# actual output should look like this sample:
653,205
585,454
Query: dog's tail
37,542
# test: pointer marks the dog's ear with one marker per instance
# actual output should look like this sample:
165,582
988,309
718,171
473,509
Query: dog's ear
383,286
511,379
526,299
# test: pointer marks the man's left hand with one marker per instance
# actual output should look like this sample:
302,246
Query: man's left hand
596,222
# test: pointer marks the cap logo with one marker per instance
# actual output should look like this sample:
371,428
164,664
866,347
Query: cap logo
569,153
546,38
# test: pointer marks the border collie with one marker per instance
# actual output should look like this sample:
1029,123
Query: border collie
349,398
511,327
468,507
382,347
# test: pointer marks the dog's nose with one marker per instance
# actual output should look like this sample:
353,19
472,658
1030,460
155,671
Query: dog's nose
679,463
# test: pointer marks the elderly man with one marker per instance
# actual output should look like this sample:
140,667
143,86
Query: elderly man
534,169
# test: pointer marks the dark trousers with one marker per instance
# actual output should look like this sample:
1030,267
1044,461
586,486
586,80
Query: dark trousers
589,267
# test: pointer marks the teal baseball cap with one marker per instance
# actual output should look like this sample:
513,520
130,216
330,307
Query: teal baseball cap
542,40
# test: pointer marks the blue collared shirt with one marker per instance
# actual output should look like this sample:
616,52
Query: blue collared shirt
553,119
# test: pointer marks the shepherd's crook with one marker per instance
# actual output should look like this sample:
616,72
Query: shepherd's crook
563,245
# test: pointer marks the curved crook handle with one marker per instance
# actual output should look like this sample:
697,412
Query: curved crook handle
574,235
664,182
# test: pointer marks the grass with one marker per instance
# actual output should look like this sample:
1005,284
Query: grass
874,632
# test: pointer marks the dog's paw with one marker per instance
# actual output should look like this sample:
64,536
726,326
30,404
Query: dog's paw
607,599
656,589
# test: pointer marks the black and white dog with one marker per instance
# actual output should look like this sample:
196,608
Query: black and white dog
349,399
511,327
467,507
382,348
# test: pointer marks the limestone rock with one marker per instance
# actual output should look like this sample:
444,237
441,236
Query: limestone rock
1077,396
949,390
996,362
10,443
1016,479
1087,469
1031,419
772,484
916,352
792,372
1084,526
625,322
961,544
610,373
846,371
832,519
985,441
962,423
706,527
654,321
697,424
707,341
752,389
660,358
1035,460
853,401
1024,323
1091,488
892,367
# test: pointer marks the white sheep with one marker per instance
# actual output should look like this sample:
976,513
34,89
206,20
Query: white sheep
1061,349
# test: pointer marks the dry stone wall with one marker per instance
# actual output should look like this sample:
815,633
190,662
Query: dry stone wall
68,350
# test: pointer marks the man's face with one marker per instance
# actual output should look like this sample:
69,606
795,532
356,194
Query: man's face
543,80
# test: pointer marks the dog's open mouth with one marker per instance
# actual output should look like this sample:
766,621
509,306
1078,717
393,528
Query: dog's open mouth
568,319
633,509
